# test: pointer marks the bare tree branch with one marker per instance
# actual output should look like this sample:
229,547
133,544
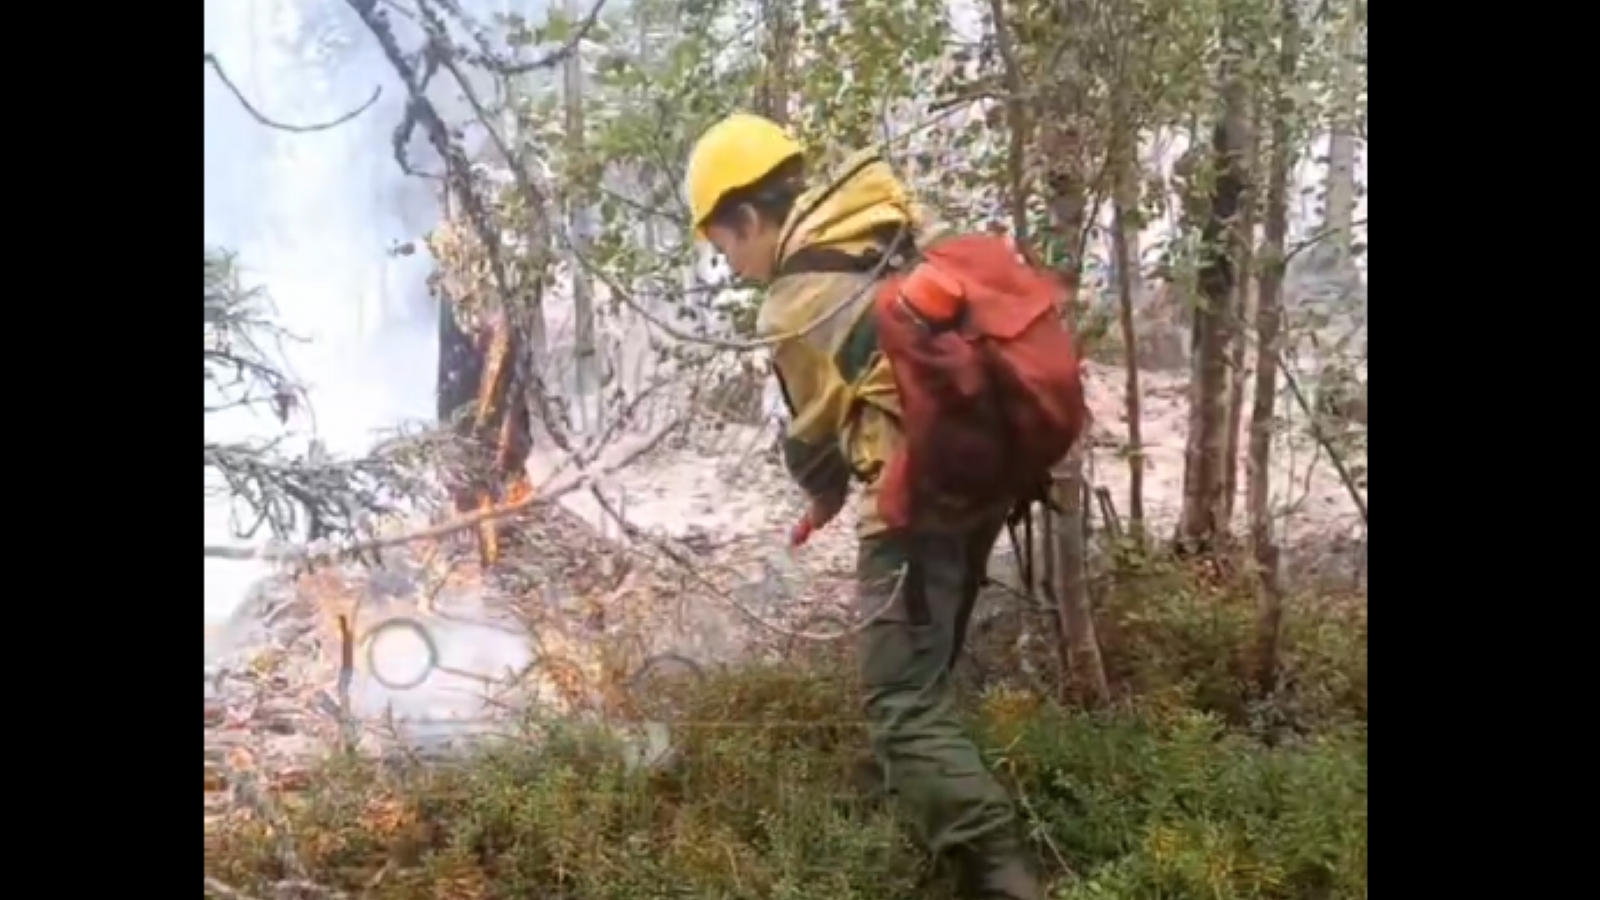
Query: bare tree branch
1316,239
263,118
1346,478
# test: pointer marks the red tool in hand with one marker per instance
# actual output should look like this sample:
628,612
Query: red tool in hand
818,515
801,532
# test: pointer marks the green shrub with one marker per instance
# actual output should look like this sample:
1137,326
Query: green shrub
1151,801
1146,804
1196,786
1172,637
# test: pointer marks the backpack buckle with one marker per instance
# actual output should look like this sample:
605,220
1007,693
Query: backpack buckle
928,326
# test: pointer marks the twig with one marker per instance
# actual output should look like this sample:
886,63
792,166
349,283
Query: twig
263,118
1316,239
295,888
1321,438
224,891
739,346
486,58
1042,829
692,569
306,552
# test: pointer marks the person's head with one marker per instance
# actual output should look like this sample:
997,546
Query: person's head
744,177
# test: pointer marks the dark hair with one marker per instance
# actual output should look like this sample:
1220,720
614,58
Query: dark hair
772,197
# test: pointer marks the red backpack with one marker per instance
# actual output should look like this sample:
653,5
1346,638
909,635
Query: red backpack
990,391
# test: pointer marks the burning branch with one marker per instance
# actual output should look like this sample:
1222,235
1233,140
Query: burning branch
534,498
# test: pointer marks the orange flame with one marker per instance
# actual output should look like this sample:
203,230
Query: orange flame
506,445
519,490
488,533
494,366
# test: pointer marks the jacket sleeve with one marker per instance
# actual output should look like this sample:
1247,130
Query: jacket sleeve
818,401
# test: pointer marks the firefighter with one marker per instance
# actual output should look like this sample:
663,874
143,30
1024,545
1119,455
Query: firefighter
818,252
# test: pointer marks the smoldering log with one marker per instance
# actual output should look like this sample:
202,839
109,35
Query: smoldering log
480,387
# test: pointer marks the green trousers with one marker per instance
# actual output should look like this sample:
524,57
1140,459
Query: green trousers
926,586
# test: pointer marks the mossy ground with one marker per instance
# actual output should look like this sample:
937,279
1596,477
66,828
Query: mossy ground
1192,787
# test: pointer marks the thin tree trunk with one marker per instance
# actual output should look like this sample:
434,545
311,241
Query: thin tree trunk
1130,341
459,372
1243,311
1067,199
1202,525
1341,183
1269,319
460,365
1125,222
1069,202
585,367
1077,616
774,99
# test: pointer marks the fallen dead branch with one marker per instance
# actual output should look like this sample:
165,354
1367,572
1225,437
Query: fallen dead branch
692,568
292,889
321,551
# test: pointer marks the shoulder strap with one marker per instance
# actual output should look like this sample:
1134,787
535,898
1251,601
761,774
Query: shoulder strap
892,241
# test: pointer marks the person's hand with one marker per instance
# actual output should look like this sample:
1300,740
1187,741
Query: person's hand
801,532
821,511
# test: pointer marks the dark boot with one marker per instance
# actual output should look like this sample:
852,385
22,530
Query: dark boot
1000,874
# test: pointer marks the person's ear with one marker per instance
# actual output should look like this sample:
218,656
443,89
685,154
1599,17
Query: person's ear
749,221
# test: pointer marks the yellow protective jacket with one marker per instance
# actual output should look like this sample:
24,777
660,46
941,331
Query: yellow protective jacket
837,384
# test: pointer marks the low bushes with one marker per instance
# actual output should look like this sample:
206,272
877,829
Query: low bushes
1191,788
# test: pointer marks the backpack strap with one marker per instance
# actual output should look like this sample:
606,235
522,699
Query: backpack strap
888,240
892,250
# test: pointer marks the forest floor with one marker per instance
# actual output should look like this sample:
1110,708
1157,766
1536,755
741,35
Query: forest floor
1192,785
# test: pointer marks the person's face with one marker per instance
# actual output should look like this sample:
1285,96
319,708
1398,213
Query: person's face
748,243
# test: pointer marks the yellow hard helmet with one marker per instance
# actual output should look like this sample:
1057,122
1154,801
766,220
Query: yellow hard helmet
734,153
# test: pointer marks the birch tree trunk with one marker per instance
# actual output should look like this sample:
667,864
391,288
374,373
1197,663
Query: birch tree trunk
1082,642
1269,319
